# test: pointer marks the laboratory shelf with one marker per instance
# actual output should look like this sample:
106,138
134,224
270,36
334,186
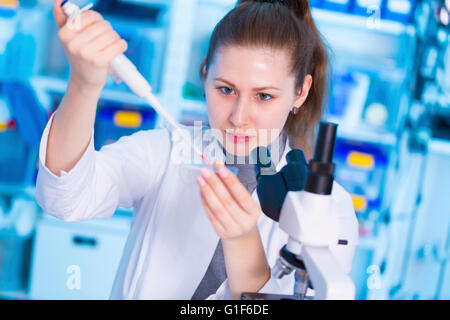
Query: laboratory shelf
384,48
9,189
221,3
364,133
158,3
347,20
194,106
47,84
13,295
439,146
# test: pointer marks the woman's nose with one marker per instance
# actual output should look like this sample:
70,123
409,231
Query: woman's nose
240,115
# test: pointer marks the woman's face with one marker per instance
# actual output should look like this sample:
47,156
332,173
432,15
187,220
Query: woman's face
249,93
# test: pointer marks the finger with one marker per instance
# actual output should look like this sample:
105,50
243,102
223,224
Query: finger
88,35
110,52
223,194
98,44
216,206
237,190
86,18
220,229
58,13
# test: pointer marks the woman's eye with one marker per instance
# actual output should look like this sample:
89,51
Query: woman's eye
265,97
226,90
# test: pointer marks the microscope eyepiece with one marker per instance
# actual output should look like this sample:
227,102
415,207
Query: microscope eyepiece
325,143
321,168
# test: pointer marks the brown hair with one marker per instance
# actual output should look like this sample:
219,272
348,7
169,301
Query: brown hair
281,24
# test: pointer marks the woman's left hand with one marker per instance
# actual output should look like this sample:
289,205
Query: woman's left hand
229,206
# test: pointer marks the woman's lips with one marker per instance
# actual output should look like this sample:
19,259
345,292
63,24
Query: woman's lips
238,139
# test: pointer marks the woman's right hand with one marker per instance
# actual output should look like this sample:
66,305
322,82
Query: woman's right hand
89,45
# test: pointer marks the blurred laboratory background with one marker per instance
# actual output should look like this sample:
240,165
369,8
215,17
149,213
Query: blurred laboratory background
390,95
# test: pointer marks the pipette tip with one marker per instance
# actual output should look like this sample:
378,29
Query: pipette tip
204,159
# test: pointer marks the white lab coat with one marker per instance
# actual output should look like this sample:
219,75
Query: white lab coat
171,241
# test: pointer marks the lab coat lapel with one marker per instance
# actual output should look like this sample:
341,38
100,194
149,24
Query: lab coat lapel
184,241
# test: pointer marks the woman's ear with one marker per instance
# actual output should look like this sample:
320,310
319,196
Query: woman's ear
203,75
303,92
203,70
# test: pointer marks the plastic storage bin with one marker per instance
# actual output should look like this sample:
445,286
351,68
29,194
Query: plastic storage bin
337,5
368,7
361,168
114,121
17,163
315,3
8,8
14,262
399,10
76,260
17,222
341,89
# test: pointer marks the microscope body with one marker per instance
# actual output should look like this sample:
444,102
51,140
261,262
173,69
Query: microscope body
315,233
321,230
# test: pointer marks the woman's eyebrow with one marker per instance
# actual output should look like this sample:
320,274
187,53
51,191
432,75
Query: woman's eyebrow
255,89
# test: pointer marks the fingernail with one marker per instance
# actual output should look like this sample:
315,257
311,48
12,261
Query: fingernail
200,181
218,164
205,173
223,172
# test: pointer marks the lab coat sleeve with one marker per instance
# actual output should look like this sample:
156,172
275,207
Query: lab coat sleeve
117,175
224,292
283,286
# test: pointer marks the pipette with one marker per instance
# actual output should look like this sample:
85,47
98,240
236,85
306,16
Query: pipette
122,69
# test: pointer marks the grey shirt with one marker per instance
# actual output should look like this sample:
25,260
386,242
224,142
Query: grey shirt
216,273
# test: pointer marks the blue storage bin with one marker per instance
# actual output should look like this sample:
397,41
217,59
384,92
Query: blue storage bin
342,86
361,169
315,3
338,5
17,223
15,252
367,7
76,260
114,121
8,9
399,10
16,166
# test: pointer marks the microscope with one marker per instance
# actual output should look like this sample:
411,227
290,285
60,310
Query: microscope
299,198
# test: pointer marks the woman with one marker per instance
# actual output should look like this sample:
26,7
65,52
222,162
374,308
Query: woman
194,235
